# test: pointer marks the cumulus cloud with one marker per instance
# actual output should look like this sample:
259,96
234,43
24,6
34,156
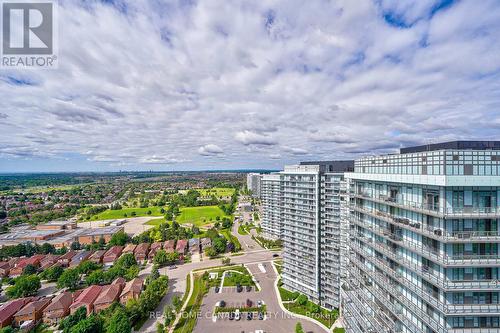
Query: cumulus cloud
210,150
161,83
253,138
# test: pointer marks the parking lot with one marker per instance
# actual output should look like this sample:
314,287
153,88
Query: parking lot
275,320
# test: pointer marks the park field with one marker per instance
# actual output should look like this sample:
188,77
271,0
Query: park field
200,215
127,212
217,191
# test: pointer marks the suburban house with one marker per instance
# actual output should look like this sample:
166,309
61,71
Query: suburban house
97,256
81,256
108,295
205,242
31,312
129,248
132,290
9,309
4,269
112,255
181,247
58,308
194,245
154,248
141,252
120,281
169,246
65,259
21,264
48,261
86,299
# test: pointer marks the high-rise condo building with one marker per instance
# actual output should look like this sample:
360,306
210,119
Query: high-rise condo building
253,183
272,197
424,241
311,219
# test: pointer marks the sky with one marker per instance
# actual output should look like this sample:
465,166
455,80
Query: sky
200,85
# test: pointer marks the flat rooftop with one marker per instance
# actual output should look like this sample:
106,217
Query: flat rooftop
453,145
333,166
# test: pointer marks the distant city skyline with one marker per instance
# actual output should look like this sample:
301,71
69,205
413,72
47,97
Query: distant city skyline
186,85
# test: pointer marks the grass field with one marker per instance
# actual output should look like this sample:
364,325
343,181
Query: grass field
120,213
200,215
156,222
217,191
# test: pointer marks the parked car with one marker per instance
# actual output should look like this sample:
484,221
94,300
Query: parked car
239,288
217,289
237,315
275,255
249,288
222,304
259,303
249,315
172,267
249,303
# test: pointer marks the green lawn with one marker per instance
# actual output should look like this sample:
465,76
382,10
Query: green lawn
217,191
120,213
156,222
188,319
200,215
324,316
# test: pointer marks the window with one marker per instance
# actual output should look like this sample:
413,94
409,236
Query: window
468,170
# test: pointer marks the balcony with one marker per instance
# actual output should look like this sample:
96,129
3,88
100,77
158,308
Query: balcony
427,274
391,289
418,207
446,309
437,234
473,212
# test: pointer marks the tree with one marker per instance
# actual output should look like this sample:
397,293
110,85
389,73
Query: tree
29,270
160,258
87,266
172,258
226,261
301,300
75,246
298,328
52,273
3,214
47,248
126,261
25,285
69,279
219,244
314,308
120,238
177,303
210,252
226,223
71,320
169,314
92,324
119,322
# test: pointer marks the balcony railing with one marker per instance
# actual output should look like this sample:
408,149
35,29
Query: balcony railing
425,272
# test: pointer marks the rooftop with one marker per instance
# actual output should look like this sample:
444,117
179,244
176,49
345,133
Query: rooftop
453,145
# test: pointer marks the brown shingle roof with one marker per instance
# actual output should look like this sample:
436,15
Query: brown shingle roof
109,294
134,285
34,306
87,296
61,301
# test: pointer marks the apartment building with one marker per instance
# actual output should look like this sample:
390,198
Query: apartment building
253,183
424,240
271,195
311,217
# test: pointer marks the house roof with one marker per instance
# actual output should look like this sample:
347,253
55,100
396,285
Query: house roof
34,306
80,256
108,294
134,285
114,251
8,309
169,244
61,301
98,254
87,297
129,248
119,280
156,245
142,248
68,255
181,243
